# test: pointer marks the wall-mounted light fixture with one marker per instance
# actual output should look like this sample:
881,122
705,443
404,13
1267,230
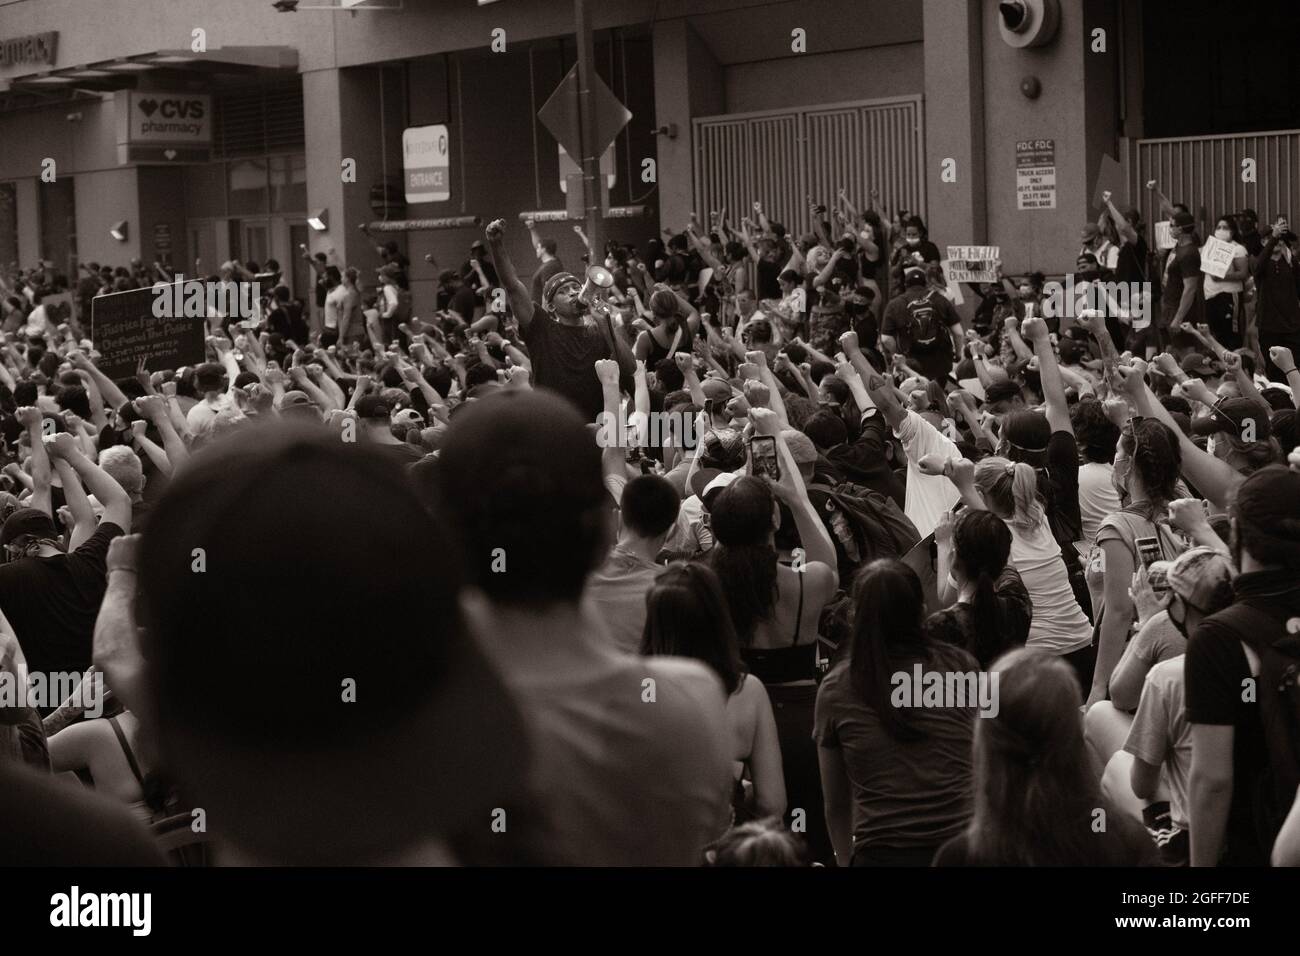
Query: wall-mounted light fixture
670,131
118,231
320,220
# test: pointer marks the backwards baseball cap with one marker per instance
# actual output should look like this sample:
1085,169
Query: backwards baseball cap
29,522
373,406
716,389
1090,232
553,285
914,275
1236,416
1194,363
1203,578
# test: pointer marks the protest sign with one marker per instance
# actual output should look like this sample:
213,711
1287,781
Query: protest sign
124,329
972,264
1216,257
1164,238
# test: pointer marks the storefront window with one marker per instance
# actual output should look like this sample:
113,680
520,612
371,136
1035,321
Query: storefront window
288,183
247,187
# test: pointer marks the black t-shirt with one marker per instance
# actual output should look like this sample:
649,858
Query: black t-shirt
1214,674
865,461
1131,266
564,360
768,285
463,302
1185,263
52,603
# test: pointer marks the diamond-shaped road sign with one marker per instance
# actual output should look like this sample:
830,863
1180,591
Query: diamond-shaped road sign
560,114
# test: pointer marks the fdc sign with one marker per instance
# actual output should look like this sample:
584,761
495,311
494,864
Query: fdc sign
426,164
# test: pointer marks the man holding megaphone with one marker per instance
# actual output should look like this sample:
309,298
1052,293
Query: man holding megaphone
567,332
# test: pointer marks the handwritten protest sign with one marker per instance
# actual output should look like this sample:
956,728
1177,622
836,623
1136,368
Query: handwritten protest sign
123,329
972,263
1216,257
953,292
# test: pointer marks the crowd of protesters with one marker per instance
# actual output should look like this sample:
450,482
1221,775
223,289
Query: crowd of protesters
629,566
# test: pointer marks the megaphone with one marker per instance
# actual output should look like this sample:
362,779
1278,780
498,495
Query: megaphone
595,290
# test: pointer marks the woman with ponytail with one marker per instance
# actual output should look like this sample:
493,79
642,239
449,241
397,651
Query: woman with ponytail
1059,626
1037,803
992,610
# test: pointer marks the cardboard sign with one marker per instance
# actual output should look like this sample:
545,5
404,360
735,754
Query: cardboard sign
1036,174
972,264
974,386
124,329
953,288
1110,178
1216,257
1164,239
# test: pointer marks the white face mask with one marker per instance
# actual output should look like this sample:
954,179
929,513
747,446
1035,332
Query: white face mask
1223,235
913,240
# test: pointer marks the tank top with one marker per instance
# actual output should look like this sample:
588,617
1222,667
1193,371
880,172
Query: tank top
784,665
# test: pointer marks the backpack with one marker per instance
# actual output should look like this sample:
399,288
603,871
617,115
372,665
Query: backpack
1278,693
864,525
926,326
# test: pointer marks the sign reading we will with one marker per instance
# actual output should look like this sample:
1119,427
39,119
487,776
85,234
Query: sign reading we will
972,263
124,329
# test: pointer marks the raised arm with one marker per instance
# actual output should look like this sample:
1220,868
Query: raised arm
1058,409
521,302
115,500
32,419
83,515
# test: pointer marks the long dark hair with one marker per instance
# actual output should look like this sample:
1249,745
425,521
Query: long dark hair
687,616
982,543
887,631
1157,458
743,556
1034,793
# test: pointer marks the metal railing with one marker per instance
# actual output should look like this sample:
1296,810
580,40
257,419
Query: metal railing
1205,173
780,157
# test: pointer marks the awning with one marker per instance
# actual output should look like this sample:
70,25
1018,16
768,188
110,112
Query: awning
31,89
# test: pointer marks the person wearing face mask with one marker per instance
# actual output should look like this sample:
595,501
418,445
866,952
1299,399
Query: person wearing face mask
1223,297
1097,244
1146,474
916,250
1277,308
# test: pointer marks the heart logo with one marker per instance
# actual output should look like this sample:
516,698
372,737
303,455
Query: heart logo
169,153
148,107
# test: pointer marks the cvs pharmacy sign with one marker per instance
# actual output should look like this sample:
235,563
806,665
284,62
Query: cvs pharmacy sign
149,116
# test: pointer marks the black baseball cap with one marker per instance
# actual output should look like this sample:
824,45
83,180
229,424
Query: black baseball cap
1232,414
373,406
30,522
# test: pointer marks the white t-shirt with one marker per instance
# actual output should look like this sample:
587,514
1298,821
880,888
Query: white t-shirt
928,496
1097,497
1213,286
201,416
1059,625
1160,734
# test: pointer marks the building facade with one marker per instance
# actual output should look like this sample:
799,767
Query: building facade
192,130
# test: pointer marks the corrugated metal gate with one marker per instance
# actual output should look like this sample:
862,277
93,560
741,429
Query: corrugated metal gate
780,157
1205,173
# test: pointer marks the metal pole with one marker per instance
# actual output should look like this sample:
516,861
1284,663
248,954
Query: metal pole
587,124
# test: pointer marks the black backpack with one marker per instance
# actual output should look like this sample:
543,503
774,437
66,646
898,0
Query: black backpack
864,524
927,327
1277,691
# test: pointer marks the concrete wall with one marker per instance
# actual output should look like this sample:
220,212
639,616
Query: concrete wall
872,73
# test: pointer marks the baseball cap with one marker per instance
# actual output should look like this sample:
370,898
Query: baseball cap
265,504
716,389
1200,365
1090,232
722,448
407,416
1231,416
372,406
1183,219
30,522
553,285
802,449
914,275
294,398
1203,578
